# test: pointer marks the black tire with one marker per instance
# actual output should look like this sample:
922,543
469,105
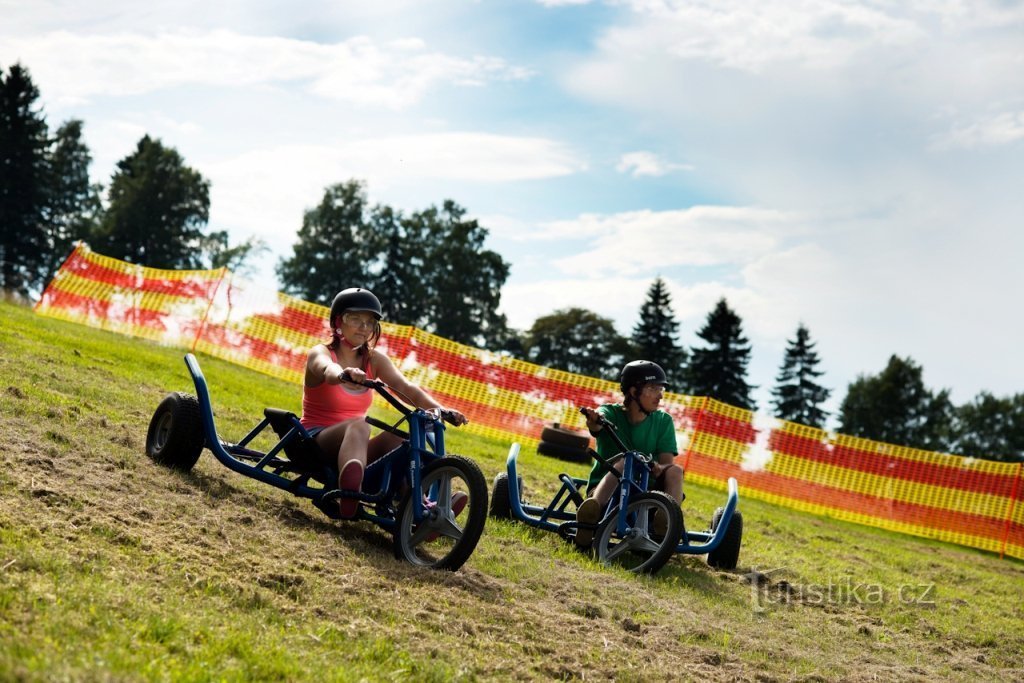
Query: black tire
563,452
501,505
441,540
642,552
727,554
565,437
175,437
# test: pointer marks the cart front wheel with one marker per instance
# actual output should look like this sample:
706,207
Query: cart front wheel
727,555
175,437
642,549
454,493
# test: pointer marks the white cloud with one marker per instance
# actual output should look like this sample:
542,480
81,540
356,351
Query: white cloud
752,35
267,190
993,130
73,67
637,241
642,163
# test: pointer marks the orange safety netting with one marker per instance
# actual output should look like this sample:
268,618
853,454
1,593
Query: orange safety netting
951,498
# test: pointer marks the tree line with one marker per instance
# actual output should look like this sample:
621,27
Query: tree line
433,271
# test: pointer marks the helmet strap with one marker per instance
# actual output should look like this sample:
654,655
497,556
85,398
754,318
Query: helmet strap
636,399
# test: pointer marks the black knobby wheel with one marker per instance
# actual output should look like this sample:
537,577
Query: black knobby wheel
727,554
175,437
501,504
455,492
563,452
643,549
565,437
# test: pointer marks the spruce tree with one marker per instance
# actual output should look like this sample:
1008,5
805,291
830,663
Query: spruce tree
74,205
797,397
719,370
656,334
24,176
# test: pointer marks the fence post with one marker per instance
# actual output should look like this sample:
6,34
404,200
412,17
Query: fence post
1012,508
696,431
202,324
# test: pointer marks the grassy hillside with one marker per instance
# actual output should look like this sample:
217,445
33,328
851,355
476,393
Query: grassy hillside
113,568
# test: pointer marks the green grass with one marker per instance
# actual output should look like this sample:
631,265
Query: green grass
113,568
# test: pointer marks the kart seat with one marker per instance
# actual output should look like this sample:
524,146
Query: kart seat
297,444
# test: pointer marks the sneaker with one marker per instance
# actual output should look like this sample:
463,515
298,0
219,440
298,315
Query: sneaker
588,514
459,500
350,480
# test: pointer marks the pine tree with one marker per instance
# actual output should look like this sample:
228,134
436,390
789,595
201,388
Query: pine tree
797,397
74,206
719,370
24,176
656,334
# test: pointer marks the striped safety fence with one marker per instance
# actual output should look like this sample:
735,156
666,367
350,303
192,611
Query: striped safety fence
951,498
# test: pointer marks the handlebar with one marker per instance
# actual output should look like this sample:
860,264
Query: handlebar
645,458
386,393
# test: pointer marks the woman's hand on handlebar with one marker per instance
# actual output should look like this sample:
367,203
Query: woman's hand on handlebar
453,417
352,376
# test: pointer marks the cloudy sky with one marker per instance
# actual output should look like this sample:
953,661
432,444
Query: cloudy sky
857,166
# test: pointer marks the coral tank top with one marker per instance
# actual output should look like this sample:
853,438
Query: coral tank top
328,404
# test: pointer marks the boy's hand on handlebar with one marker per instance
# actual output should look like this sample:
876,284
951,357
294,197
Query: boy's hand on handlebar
594,419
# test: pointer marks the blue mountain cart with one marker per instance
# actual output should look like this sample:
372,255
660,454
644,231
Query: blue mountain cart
427,532
626,532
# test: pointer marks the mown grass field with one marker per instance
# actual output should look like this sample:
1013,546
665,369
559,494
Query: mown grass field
115,569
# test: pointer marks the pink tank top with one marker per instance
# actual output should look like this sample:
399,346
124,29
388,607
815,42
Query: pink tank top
328,404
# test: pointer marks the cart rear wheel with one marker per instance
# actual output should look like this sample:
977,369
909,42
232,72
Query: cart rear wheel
727,554
501,502
446,536
175,437
641,550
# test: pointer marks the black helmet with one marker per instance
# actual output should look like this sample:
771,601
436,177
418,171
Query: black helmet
640,372
355,299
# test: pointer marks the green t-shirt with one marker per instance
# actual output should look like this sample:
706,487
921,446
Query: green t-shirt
655,435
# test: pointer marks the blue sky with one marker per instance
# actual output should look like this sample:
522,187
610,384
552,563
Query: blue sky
855,166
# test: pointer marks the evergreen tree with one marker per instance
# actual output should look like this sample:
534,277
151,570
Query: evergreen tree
576,340
158,208
719,370
895,407
334,247
74,206
24,174
656,334
797,396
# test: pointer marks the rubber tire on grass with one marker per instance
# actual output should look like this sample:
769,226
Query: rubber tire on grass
501,503
643,503
175,437
727,554
563,452
443,551
565,437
